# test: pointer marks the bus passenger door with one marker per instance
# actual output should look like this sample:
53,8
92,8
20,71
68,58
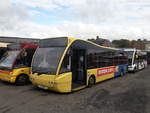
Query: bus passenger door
78,67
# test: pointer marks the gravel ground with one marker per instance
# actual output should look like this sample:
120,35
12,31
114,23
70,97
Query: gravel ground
128,94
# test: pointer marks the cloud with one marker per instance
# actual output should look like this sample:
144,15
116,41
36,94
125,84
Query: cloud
10,15
77,18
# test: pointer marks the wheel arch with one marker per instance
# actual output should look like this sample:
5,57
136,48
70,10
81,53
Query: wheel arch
21,74
93,76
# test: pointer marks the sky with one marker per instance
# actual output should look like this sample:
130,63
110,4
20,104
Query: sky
109,19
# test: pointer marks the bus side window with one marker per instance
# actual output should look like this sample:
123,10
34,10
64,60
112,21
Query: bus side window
92,60
29,56
20,60
66,64
25,58
110,59
136,58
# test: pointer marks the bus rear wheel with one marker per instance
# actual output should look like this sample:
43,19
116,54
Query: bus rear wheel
91,81
22,79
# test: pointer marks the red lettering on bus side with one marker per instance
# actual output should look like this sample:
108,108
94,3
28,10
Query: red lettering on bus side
105,71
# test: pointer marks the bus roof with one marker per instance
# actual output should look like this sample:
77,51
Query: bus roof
29,45
132,49
51,42
129,49
63,41
22,45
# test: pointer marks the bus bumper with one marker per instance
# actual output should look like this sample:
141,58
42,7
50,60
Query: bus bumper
42,81
60,84
131,68
7,77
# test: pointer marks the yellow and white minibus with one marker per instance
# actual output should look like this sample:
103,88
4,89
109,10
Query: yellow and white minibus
16,62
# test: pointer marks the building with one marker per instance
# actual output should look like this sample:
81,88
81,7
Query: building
4,39
2,44
101,41
147,46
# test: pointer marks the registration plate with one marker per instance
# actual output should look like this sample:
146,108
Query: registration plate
43,87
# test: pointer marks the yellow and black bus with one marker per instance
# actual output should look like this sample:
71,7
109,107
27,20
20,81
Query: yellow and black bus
68,64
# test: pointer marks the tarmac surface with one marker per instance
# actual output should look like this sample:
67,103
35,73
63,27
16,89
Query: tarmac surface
127,94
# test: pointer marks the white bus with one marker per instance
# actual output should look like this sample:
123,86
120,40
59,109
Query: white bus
137,59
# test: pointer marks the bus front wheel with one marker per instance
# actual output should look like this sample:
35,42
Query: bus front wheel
22,79
135,69
91,81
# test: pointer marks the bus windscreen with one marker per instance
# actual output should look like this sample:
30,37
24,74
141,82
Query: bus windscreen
8,59
130,56
46,60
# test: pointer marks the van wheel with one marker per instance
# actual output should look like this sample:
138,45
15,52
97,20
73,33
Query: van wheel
91,81
22,79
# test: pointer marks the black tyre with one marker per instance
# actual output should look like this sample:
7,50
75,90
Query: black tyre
91,81
22,79
135,70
